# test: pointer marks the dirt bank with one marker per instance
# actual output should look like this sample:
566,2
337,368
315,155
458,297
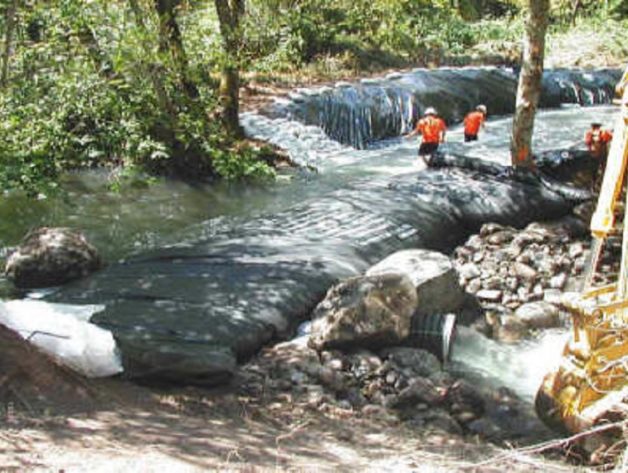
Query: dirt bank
138,429
261,89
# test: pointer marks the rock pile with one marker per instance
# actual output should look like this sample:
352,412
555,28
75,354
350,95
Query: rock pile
518,276
354,363
352,368
398,384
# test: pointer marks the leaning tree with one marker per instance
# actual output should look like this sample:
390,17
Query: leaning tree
529,89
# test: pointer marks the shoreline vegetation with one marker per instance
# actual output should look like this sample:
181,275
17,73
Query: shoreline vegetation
157,88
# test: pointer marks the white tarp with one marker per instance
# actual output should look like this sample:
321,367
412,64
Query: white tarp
64,332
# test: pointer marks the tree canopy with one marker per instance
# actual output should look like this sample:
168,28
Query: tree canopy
153,84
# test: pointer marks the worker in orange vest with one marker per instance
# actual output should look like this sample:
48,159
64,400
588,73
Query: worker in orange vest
597,140
473,122
432,129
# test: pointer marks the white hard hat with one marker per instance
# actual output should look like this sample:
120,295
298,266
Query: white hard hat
430,111
481,108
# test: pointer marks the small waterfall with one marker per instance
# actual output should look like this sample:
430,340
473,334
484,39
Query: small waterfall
519,366
305,144
577,87
360,113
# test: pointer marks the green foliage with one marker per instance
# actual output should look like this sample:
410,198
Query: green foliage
504,29
290,34
130,177
245,163
562,11
287,35
90,86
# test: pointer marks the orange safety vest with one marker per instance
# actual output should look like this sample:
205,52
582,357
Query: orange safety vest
472,122
597,142
432,128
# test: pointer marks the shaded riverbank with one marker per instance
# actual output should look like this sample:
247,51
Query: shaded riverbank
289,424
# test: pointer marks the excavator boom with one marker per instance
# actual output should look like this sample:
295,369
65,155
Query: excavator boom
591,384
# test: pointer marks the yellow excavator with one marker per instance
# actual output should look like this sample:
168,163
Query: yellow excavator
588,391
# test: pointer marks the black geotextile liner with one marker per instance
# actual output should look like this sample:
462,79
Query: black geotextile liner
363,112
188,313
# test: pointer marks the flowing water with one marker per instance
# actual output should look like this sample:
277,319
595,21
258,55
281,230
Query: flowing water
139,219
136,219
520,366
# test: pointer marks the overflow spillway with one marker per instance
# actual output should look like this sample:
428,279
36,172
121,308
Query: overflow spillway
360,113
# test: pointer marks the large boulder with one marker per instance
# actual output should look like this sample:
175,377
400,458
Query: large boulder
539,315
364,311
50,257
433,276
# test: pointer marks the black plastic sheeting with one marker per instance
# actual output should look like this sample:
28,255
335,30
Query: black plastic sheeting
360,113
189,313
560,169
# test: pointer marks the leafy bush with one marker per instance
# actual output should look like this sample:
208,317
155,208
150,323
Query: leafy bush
287,35
89,86
245,163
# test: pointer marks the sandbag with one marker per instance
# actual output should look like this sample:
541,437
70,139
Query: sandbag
64,332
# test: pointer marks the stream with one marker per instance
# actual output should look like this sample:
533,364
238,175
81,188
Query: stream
158,226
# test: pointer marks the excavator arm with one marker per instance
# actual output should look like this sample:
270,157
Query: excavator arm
590,386
603,220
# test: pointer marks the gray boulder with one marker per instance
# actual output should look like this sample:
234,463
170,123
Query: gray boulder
510,329
538,315
364,311
50,257
433,276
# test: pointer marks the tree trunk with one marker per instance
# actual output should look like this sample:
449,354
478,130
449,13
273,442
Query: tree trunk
575,6
229,13
163,131
529,89
153,71
9,22
101,61
229,91
170,42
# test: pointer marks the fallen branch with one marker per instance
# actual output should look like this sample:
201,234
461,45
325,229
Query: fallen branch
549,445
